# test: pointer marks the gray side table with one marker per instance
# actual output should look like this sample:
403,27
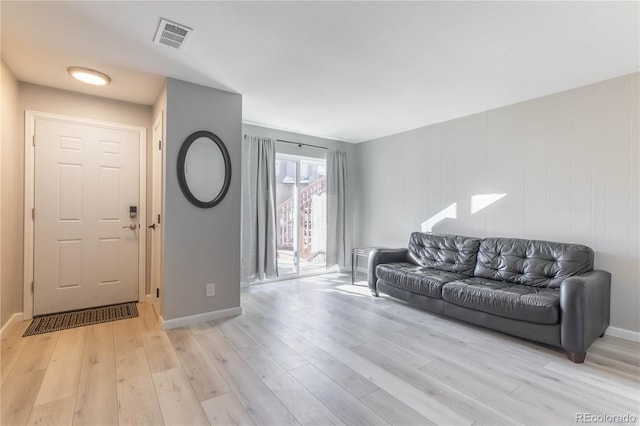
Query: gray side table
355,253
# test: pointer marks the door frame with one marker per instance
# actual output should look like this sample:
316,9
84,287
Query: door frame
157,188
298,159
29,198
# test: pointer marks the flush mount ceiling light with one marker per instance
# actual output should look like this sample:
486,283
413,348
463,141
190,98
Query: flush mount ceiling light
89,76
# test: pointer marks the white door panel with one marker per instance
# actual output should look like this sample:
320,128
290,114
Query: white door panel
85,254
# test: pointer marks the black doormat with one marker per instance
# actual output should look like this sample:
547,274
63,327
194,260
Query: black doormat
57,322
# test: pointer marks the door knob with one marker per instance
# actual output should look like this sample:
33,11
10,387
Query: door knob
130,226
152,226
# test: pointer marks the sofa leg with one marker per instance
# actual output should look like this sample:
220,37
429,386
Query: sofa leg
374,293
602,335
577,357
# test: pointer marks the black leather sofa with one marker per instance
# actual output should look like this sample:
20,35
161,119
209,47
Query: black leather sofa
539,290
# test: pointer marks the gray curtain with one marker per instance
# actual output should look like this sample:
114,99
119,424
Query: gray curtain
259,210
336,215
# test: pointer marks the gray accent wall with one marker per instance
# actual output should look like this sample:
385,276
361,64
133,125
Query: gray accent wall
201,245
564,167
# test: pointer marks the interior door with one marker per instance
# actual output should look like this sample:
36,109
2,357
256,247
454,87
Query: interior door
85,227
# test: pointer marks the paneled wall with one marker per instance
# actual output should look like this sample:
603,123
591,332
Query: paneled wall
563,167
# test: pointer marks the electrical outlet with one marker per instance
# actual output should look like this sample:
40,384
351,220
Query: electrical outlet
211,289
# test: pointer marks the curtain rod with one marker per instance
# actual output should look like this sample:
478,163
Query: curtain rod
300,144
295,143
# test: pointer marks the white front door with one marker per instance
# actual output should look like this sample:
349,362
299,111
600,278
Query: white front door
85,240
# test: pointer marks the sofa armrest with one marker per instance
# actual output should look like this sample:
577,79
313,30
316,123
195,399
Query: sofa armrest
383,255
585,305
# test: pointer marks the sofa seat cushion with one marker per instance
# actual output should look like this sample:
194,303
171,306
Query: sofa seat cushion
521,302
416,278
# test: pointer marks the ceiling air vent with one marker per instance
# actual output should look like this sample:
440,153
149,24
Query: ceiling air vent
172,34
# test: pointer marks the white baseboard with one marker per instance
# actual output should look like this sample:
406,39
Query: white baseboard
207,316
625,334
17,317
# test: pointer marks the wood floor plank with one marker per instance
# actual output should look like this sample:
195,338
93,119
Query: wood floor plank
302,404
349,409
148,320
488,386
494,360
18,394
178,402
614,365
157,347
283,355
127,334
261,404
393,410
408,358
202,327
57,412
433,409
351,381
137,402
451,396
63,371
471,376
11,346
321,320
96,400
597,377
609,349
36,354
226,410
206,380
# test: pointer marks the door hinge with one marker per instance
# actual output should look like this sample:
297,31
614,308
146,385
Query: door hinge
160,144
33,214
33,140
158,219
157,292
32,286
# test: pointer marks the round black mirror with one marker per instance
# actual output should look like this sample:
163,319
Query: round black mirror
204,169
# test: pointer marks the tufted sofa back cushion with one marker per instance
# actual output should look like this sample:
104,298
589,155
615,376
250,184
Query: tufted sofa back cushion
450,253
531,262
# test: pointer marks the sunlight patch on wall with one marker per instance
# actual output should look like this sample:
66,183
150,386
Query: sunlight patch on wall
480,201
447,213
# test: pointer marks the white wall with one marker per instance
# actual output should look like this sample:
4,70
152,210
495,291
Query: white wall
201,245
11,199
567,165
349,148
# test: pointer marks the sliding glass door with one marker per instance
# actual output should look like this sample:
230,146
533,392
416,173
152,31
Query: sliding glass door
301,208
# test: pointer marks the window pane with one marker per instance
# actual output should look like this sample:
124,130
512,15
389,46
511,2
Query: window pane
286,202
313,216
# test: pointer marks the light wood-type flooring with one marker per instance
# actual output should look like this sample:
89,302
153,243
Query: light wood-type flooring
309,351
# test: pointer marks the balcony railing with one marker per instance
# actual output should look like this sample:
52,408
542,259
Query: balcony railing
286,218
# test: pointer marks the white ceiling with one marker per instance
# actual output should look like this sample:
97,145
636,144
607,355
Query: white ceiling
352,71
